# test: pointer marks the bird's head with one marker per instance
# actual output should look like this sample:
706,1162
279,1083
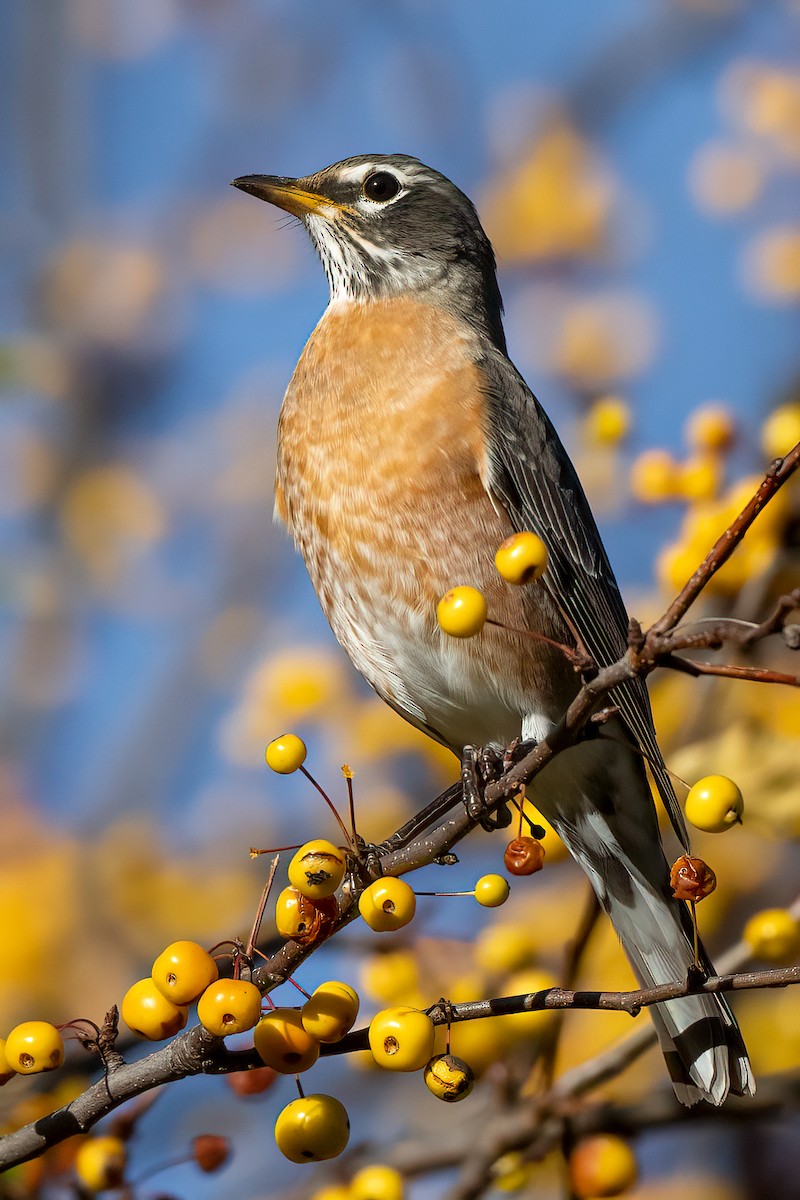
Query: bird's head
385,225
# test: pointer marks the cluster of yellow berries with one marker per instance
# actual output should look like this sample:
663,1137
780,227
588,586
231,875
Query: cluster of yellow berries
462,611
656,477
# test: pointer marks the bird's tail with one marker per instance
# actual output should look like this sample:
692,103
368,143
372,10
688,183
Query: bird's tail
600,805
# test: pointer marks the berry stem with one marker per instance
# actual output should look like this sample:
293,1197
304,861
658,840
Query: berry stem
351,804
262,904
330,805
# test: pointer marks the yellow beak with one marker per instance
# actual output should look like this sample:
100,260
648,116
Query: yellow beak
287,194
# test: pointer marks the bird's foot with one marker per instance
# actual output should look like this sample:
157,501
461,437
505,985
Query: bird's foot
479,767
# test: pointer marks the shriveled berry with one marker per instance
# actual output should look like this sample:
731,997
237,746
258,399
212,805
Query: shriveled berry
691,879
524,856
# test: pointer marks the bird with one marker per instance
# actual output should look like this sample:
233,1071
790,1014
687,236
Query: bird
409,449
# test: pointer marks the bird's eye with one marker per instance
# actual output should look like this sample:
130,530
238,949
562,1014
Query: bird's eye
381,186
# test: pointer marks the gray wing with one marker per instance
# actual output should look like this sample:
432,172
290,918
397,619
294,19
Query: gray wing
531,476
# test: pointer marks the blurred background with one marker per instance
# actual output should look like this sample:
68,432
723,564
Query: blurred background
636,166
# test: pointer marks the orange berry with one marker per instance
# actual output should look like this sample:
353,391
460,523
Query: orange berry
183,971
283,1044
602,1166
147,1012
229,1006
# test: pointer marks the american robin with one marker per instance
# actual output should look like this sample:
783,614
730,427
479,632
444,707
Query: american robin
409,449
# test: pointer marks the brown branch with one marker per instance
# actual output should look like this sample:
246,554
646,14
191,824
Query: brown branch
689,666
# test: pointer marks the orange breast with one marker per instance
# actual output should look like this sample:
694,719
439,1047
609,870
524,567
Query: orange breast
381,469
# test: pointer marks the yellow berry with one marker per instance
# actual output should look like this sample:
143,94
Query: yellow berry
773,935
183,971
608,421
521,558
492,890
781,430
448,1078
6,1070
700,478
390,976
602,1166
34,1046
312,1128
710,427
337,1191
229,1006
377,1182
503,948
654,477
302,919
100,1163
511,1172
317,869
714,804
401,1038
387,904
462,612
282,1043
331,1011
286,754
148,1013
